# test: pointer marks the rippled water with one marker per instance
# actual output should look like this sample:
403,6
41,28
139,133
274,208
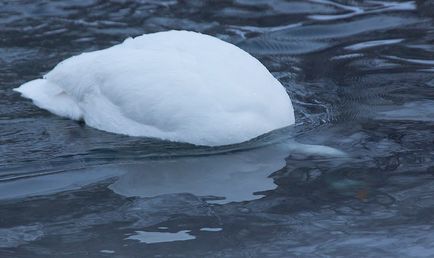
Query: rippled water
353,178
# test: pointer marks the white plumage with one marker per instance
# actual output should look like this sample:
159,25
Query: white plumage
175,85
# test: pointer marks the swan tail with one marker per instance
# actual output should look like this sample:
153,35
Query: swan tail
51,97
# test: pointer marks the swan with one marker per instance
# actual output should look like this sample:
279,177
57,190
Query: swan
179,86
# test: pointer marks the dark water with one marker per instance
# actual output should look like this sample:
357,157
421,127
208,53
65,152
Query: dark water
361,77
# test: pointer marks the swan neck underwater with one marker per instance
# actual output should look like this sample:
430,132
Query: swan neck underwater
179,86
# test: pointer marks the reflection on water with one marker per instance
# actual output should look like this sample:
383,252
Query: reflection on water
411,111
233,177
221,178
373,43
353,178
229,176
159,237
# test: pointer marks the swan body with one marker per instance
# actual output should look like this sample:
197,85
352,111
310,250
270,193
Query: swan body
175,85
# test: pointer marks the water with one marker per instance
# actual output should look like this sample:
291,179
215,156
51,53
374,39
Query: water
361,77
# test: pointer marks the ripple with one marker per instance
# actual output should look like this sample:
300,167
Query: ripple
413,111
355,171
311,38
411,60
379,7
373,43
293,7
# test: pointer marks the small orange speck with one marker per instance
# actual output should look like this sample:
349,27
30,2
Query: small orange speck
362,194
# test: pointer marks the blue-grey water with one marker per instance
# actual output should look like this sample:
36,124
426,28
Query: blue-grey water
353,178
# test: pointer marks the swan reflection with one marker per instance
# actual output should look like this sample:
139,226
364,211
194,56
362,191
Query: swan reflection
232,177
221,178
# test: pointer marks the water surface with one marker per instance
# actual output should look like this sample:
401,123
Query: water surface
361,77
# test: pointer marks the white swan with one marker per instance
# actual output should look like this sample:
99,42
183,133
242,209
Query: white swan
175,85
